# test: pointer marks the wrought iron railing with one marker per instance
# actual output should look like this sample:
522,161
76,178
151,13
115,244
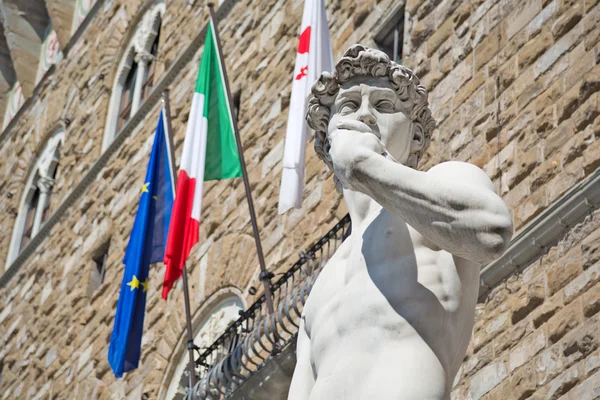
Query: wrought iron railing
248,343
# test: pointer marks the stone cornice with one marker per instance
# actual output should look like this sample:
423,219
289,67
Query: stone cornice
90,176
545,231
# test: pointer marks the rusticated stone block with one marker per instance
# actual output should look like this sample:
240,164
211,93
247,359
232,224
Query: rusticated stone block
526,350
439,36
548,364
420,33
486,379
565,320
563,383
547,310
585,389
587,112
591,301
489,46
523,382
590,84
567,20
527,300
590,248
567,268
521,15
591,160
580,342
534,48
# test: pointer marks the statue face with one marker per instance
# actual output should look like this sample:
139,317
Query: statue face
370,105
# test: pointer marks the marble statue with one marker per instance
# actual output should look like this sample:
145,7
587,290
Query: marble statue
391,314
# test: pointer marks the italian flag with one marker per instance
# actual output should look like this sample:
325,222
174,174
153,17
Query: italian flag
209,153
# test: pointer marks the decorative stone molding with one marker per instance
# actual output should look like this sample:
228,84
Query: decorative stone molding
39,176
137,49
148,28
48,155
143,56
45,184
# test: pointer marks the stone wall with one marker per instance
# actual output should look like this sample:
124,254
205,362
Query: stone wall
514,89
535,133
537,334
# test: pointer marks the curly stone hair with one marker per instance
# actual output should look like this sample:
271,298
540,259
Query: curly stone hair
357,61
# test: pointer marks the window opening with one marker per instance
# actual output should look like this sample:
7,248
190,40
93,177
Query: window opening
148,82
127,97
32,207
391,36
100,262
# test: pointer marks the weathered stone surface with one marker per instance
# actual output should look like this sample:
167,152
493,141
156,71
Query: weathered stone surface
568,318
563,383
535,133
526,350
534,48
591,301
486,379
570,268
522,383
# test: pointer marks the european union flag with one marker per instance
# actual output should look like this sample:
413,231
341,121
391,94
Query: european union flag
146,246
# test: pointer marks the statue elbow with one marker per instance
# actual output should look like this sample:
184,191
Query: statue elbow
494,242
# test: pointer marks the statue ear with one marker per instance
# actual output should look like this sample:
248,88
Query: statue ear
327,148
418,138
417,144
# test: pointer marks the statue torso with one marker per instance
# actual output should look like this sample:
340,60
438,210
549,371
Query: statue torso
390,316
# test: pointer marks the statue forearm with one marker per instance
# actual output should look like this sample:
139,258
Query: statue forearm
455,213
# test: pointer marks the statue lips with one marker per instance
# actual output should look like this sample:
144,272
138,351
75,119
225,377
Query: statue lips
359,126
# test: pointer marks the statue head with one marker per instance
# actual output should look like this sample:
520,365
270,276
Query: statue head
370,89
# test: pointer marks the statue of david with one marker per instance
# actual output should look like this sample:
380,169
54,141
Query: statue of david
391,314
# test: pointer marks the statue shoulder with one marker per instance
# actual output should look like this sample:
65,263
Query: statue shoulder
463,172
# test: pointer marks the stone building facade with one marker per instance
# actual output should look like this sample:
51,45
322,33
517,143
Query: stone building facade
514,87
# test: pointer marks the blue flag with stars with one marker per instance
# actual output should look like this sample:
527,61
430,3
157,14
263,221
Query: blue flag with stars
146,246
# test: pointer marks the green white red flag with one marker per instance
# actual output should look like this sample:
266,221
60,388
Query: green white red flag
209,153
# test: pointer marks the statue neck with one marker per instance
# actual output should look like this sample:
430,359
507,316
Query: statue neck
360,206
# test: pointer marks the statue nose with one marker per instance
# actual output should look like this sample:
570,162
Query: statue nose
367,118
365,114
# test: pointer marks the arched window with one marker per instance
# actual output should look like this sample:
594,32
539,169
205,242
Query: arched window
214,323
135,74
33,210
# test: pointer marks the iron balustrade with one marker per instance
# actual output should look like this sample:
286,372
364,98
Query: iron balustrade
249,342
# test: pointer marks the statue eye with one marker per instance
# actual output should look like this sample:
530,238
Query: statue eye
348,106
385,105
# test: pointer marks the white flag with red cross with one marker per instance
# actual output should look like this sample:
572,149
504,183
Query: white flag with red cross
314,56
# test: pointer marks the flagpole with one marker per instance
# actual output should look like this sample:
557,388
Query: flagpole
265,275
186,293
